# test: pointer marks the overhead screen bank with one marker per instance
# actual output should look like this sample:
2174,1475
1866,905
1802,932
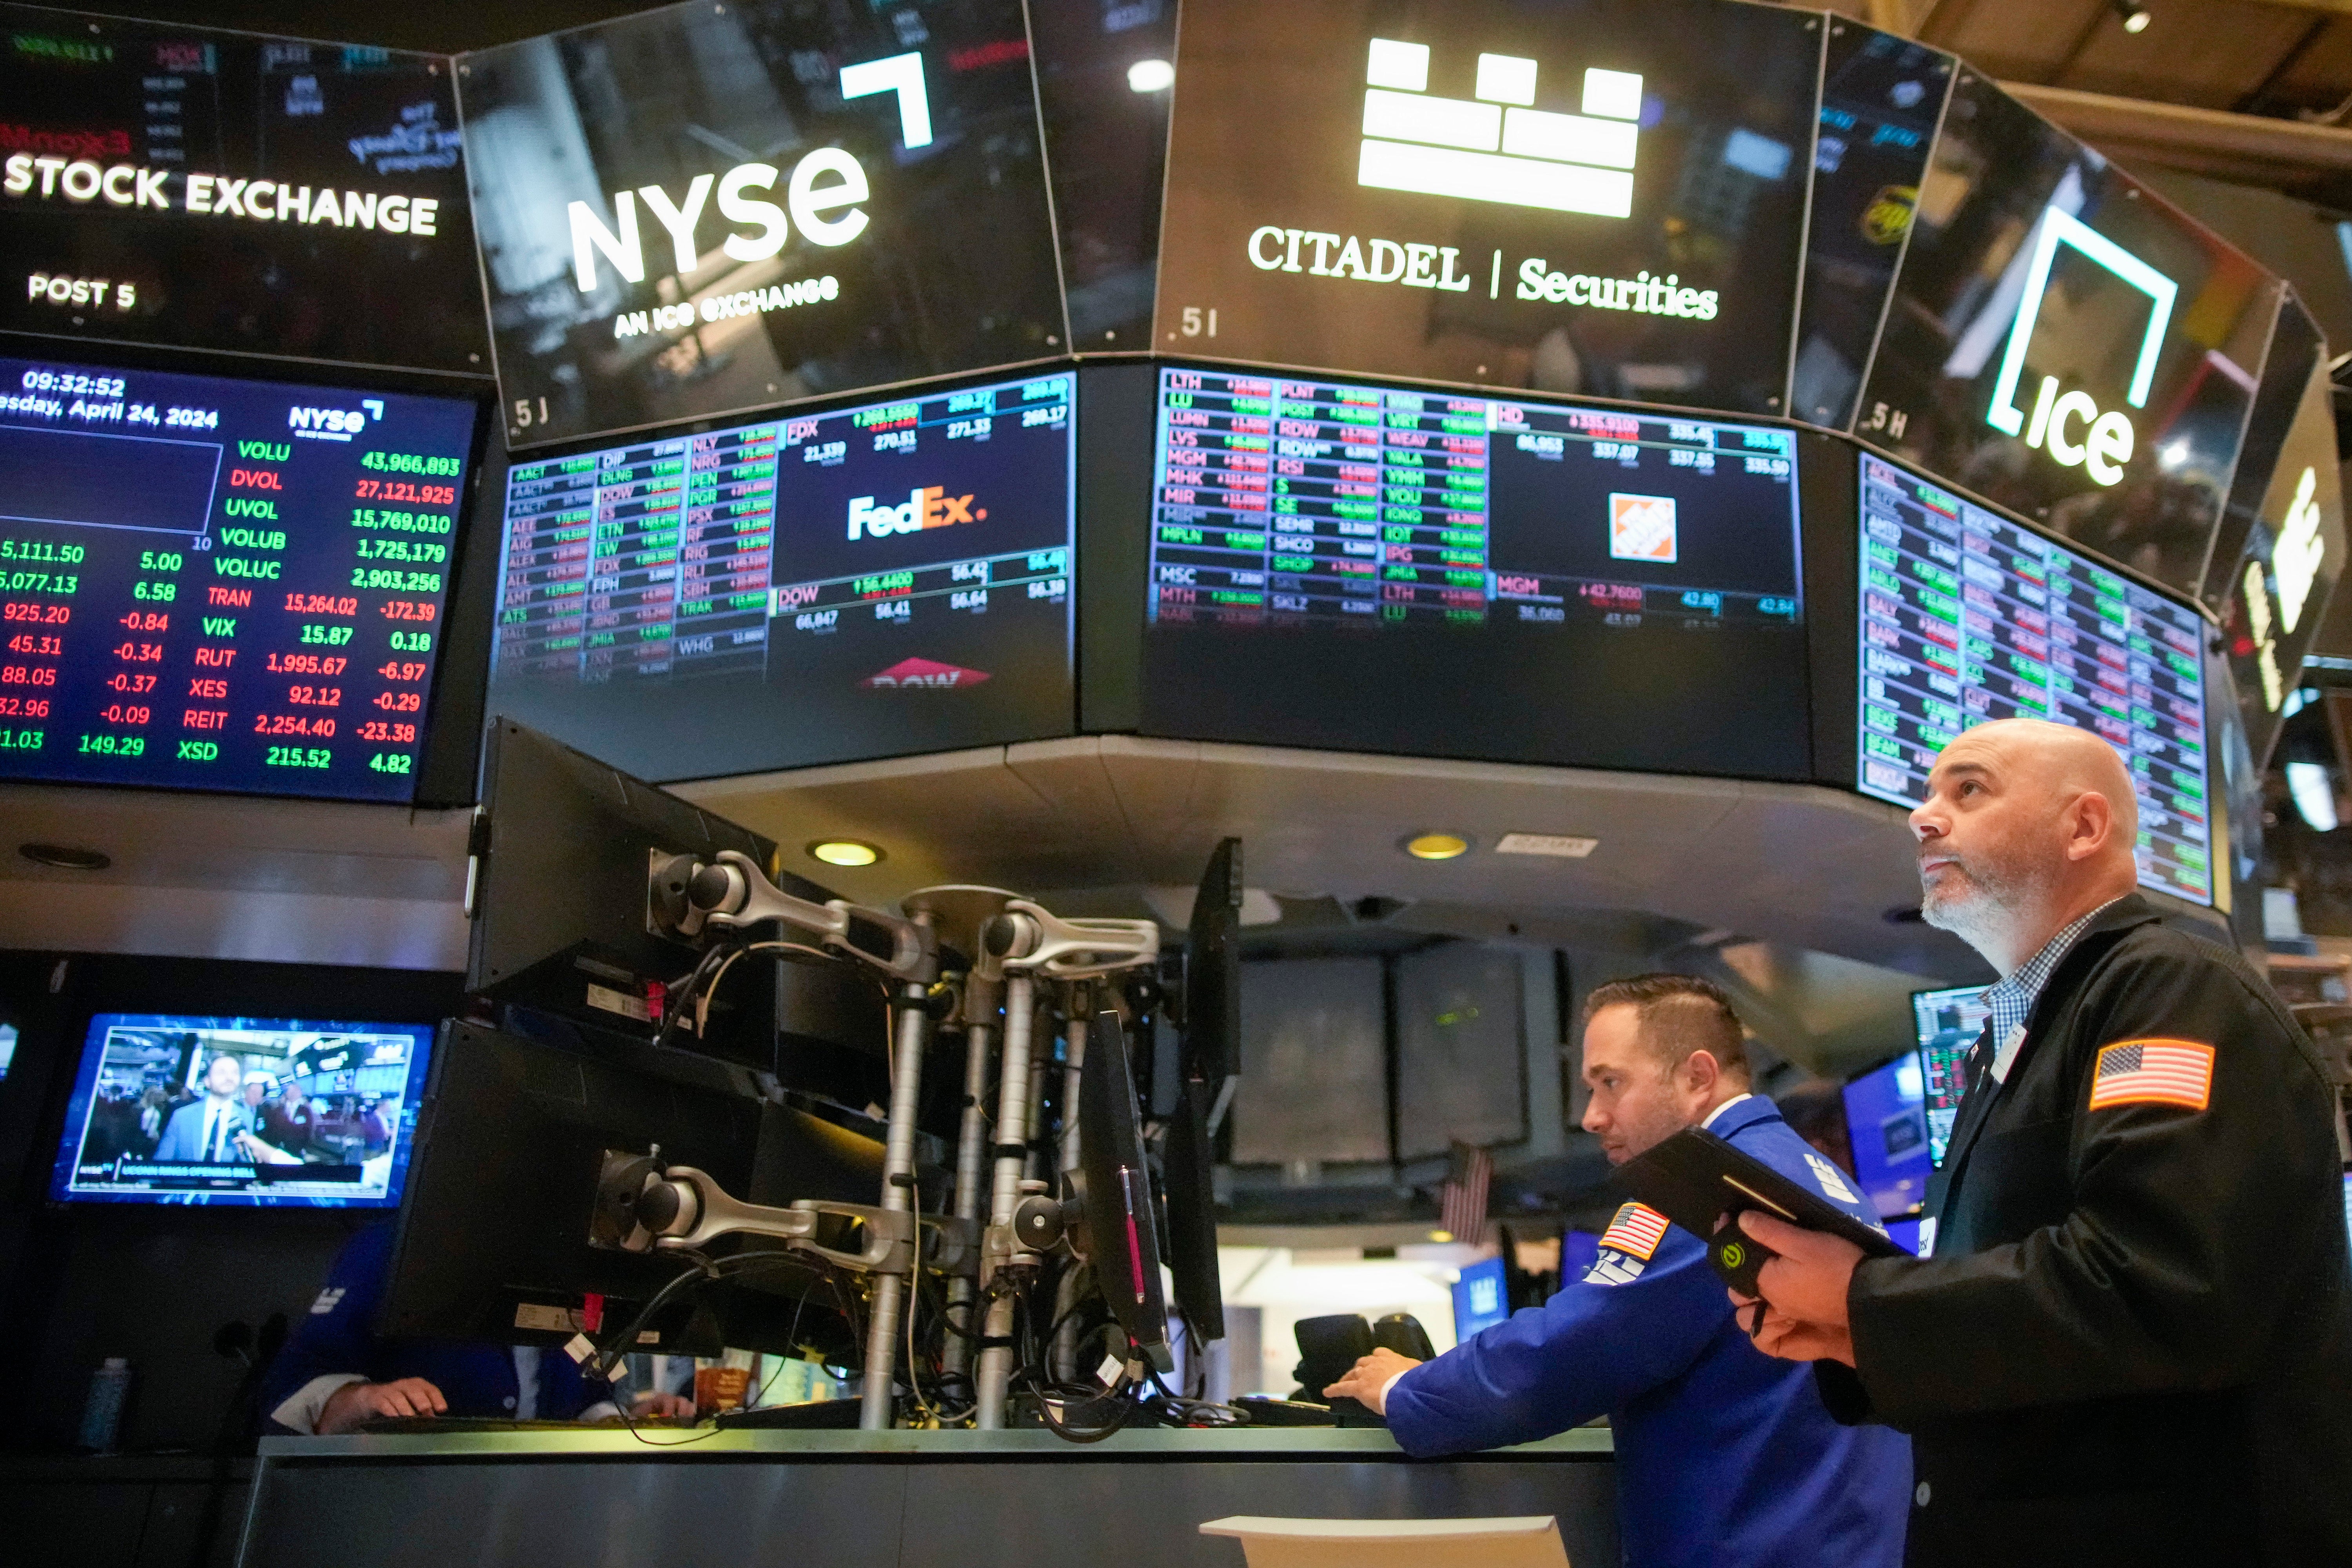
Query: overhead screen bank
1685,386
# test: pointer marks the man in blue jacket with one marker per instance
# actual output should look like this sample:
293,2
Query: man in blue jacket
1725,1458
335,1373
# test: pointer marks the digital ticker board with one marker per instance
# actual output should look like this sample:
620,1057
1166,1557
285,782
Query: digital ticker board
1967,618
893,577
1415,570
1282,500
221,585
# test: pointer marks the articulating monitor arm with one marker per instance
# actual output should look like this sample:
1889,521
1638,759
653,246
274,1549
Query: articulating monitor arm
643,1205
732,890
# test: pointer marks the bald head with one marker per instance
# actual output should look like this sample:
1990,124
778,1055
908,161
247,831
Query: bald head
2027,825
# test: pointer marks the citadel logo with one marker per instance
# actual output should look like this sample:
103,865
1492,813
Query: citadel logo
2107,439
923,672
1498,147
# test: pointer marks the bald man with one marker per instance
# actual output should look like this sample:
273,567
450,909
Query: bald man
2132,1341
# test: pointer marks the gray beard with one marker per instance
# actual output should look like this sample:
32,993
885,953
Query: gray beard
1983,915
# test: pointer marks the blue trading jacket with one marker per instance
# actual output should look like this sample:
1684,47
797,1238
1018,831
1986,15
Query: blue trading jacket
1725,1458
338,1336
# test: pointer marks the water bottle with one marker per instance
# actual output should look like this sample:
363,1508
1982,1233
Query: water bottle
101,1417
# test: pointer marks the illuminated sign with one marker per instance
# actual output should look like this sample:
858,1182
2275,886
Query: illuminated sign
1605,200
701,210
1498,147
2107,439
2300,550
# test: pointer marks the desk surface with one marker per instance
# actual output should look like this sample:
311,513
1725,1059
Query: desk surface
1324,1443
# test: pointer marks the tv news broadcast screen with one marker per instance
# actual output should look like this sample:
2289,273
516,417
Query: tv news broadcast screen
260,1113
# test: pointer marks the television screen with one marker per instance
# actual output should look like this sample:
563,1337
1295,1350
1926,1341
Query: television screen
1882,95
1967,616
856,583
2068,344
7,1049
220,584
1480,1300
1887,1122
1604,199
703,210
267,1112
170,184
1420,571
1948,1022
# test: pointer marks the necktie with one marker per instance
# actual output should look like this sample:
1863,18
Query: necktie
212,1147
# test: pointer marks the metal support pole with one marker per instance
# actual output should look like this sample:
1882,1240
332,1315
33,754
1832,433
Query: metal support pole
894,1292
980,997
1004,1193
1074,1063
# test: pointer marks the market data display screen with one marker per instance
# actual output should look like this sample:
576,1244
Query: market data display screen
1886,1126
859,583
221,585
270,1112
1967,618
1948,1022
1480,1299
1554,578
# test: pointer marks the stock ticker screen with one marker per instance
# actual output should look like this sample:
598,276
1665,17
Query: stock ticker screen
221,585
1554,578
883,579
1948,1022
1968,617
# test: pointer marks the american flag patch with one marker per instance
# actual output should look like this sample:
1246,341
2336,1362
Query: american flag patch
2153,1072
1636,1232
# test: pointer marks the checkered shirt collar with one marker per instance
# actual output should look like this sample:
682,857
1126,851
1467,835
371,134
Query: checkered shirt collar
2010,1002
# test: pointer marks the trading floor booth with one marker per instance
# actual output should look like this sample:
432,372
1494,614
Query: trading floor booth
902,494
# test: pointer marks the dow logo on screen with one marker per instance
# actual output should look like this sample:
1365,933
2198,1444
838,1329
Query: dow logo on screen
1498,146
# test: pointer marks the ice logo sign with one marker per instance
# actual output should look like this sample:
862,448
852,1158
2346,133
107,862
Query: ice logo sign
1498,147
2068,424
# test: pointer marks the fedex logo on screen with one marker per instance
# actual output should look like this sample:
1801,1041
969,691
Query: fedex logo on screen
930,506
2069,425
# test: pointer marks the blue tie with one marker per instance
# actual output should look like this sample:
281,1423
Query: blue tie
220,1125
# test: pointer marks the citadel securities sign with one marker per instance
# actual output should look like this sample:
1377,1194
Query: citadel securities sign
712,209
215,190
1606,201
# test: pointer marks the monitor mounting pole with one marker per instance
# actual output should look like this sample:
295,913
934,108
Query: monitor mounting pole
1022,944
734,891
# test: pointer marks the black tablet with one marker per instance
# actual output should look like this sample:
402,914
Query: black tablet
1702,1184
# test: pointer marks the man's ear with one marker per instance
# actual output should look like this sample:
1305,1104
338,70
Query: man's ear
1700,1070
2090,821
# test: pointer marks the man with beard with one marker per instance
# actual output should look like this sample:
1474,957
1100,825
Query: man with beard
2131,1342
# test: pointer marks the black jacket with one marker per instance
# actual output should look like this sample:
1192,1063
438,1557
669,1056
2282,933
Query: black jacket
2133,1343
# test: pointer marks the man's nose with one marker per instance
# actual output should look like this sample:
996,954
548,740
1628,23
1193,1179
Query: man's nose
1926,824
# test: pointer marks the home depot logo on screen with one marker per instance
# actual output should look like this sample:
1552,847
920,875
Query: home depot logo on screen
923,672
2068,423
1641,528
1498,147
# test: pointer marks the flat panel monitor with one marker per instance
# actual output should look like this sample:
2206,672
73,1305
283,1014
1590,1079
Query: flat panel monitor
821,587
218,584
1967,616
702,210
1604,199
2067,343
1948,1023
1887,1124
1371,568
1882,95
254,1112
184,187
1480,1298
7,1049
1904,1233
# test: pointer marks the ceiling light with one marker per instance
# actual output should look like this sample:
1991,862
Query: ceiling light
844,852
2135,16
2313,794
1436,847
66,856
1150,76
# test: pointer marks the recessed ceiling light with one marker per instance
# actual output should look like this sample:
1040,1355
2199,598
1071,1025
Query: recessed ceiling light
844,852
2135,16
1436,847
66,856
1150,76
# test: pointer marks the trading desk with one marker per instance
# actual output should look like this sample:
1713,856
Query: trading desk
878,1500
